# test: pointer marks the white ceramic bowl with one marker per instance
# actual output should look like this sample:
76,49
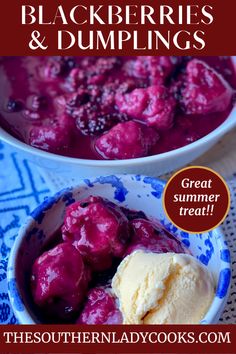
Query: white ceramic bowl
155,165
135,192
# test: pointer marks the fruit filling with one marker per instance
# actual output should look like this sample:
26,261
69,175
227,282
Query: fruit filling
71,279
114,107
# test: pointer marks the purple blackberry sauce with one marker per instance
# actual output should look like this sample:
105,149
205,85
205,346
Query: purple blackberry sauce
71,280
69,105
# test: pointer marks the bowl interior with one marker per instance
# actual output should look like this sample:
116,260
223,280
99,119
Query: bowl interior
41,155
135,192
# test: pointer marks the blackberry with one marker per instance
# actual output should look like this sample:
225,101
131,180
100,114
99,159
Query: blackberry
14,105
95,93
70,63
91,121
57,66
177,87
66,64
75,100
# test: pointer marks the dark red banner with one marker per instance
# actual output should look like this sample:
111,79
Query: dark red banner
103,27
118,339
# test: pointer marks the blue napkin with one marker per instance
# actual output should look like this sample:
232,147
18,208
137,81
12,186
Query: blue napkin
21,190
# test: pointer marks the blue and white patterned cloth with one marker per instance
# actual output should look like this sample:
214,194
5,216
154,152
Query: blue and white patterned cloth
21,190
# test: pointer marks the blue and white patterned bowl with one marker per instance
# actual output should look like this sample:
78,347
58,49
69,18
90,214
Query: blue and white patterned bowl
135,192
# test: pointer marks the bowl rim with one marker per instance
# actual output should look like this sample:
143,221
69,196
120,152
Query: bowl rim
217,306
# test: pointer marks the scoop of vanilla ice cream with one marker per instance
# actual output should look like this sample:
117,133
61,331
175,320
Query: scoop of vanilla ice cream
164,288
